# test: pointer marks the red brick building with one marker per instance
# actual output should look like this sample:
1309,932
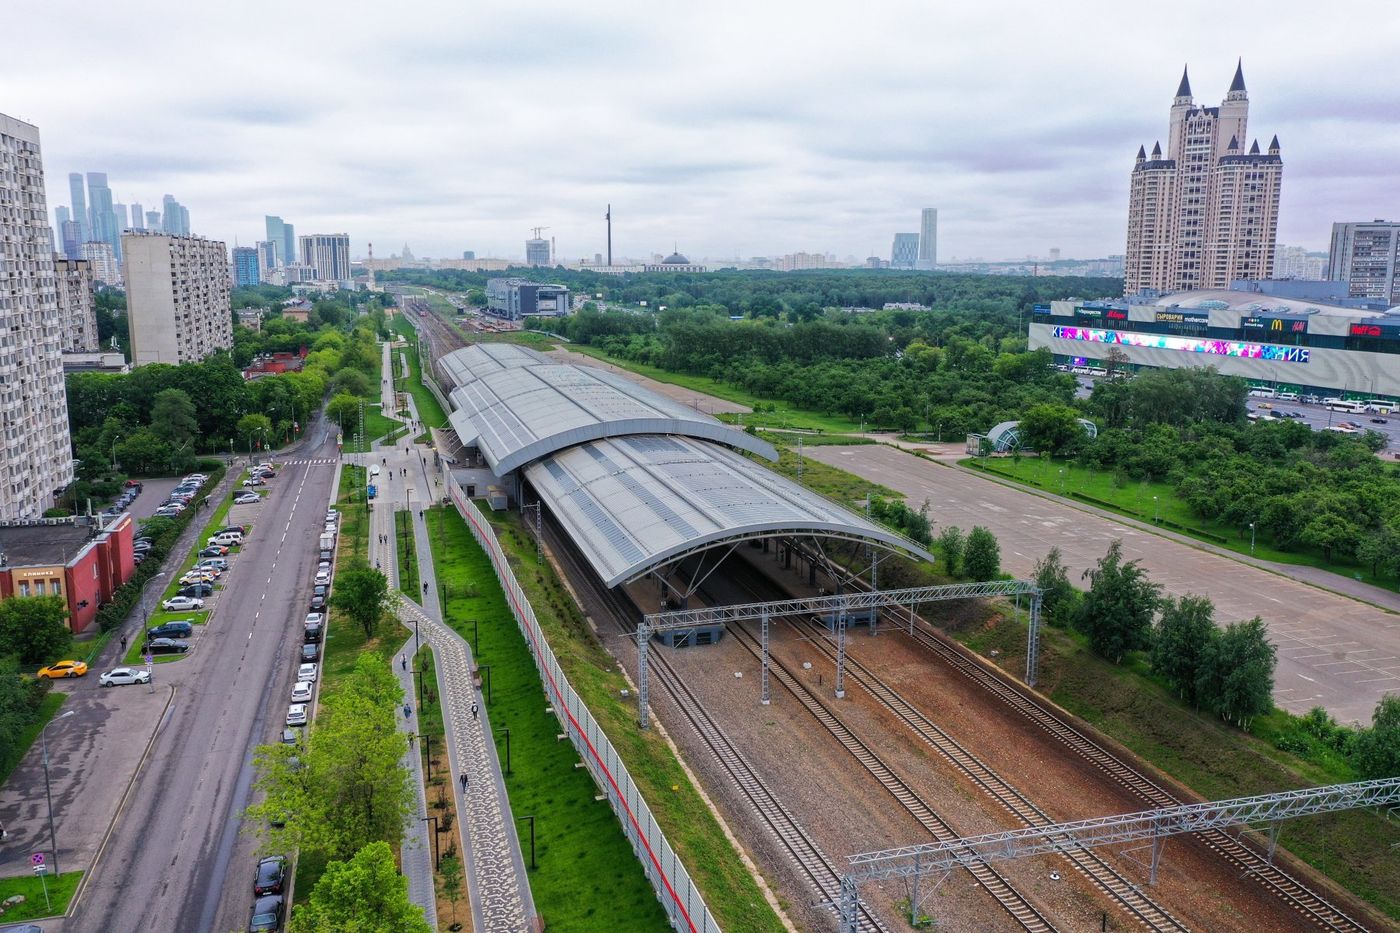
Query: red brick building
83,560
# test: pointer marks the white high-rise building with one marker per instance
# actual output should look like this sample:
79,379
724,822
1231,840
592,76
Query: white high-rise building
73,278
1367,257
328,254
177,297
104,262
928,239
36,459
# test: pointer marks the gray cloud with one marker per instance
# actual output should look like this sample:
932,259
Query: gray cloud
727,127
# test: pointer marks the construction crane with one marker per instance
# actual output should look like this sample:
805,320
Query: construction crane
537,231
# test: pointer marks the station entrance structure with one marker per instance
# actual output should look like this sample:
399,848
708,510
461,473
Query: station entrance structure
842,606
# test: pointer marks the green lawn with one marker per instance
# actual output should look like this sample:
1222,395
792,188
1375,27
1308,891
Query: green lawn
32,888
587,877
48,708
429,409
784,415
836,484
729,890
377,425
1153,501
407,555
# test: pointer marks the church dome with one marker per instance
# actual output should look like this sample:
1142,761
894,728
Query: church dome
675,259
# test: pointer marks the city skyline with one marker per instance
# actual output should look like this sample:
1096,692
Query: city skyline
831,142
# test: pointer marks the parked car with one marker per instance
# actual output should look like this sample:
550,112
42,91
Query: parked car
134,484
196,590
325,556
179,629
318,602
182,604
296,714
310,652
218,563
227,538
332,514
247,498
301,692
266,915
314,618
270,876
307,672
311,633
252,481
239,529
119,676
67,669
289,737
213,550
167,646
323,577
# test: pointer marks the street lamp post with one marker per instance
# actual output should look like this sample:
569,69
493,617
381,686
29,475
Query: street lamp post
437,856
1251,539
1156,510
486,669
114,452
506,730
48,793
531,818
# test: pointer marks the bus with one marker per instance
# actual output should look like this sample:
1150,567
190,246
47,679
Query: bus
1346,405
1380,406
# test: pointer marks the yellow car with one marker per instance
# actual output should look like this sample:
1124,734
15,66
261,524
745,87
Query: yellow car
63,669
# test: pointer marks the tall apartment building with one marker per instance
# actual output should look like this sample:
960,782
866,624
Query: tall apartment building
1296,262
70,236
105,268
138,217
904,254
177,297
267,259
928,238
536,252
328,254
1203,213
245,266
1367,257
36,458
73,280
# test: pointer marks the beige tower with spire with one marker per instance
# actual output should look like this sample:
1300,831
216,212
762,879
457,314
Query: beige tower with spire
1204,212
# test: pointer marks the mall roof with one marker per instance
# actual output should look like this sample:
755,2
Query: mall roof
517,405
1251,301
632,504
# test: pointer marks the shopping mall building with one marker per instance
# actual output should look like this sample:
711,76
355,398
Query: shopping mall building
1304,337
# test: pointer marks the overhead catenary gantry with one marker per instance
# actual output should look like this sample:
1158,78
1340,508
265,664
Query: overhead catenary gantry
841,607
1149,826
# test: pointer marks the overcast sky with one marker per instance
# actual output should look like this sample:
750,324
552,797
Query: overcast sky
728,129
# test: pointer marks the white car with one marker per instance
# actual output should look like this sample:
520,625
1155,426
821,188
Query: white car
332,514
296,714
307,672
315,618
246,498
182,604
123,675
254,481
323,576
301,692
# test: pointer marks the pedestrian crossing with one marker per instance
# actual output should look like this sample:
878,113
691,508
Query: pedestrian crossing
308,460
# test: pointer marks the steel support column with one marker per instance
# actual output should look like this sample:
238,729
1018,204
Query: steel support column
1033,640
763,640
643,637
841,655
848,905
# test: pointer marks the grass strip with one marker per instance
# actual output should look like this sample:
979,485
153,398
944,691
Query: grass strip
586,876
439,797
405,549
730,891
429,409
31,888
48,708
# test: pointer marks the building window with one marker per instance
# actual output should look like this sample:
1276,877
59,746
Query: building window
23,588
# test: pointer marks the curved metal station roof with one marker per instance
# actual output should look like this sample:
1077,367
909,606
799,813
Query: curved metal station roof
517,405
632,504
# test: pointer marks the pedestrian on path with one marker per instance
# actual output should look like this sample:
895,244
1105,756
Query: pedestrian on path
465,780
403,661
425,587
473,711
407,711
123,642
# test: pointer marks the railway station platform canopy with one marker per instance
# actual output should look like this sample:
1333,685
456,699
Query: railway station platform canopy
634,504
516,405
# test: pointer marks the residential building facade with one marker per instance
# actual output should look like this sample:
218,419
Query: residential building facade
245,267
328,254
36,459
1366,257
1204,212
905,251
177,295
73,280
105,269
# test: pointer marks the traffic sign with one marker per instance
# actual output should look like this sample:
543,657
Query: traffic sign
37,859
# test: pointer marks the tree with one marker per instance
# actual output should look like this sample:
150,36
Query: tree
1051,429
1057,594
1183,641
1378,748
173,417
1116,613
345,788
1236,679
363,895
951,542
362,593
982,561
34,629
255,428
344,409
451,875
350,381
144,453
19,704
1380,550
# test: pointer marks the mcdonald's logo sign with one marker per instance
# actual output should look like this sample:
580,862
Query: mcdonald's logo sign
1276,324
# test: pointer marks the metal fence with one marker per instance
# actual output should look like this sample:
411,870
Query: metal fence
674,888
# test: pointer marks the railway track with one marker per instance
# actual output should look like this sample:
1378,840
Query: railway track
1301,899
811,862
1012,901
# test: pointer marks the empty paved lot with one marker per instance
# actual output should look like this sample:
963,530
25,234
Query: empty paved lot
1332,651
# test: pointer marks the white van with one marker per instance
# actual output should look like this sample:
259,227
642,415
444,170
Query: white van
227,539
1262,393
1287,396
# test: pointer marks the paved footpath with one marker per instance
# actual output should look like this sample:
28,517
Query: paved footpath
497,882
416,853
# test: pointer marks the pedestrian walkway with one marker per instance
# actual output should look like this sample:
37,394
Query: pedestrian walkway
417,850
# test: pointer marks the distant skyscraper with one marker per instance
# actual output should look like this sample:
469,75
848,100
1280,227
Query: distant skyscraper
71,236
177,295
328,254
120,215
102,220
152,220
1367,257
1205,212
80,210
1296,262
267,259
928,238
138,217
61,216
537,252
275,237
468,254
905,252
37,458
289,244
245,267
175,218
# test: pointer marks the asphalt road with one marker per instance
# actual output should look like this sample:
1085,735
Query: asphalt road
1333,651
176,859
